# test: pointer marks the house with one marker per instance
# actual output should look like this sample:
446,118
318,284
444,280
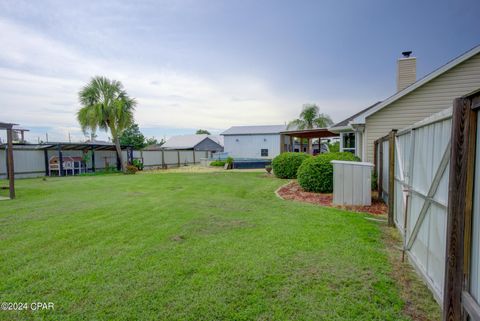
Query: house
269,141
253,141
202,142
413,101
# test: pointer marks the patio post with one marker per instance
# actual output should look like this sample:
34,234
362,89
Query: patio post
11,171
93,159
47,164
60,160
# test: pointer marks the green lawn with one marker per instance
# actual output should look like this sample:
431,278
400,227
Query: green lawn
186,246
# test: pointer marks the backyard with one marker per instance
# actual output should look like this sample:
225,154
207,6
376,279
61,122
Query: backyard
191,246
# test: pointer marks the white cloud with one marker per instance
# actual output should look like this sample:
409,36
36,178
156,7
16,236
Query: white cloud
40,78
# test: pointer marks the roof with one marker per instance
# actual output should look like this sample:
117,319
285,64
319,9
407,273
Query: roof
188,141
346,121
255,130
360,119
310,133
69,146
6,125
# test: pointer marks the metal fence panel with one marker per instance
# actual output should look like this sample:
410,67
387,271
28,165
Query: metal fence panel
421,176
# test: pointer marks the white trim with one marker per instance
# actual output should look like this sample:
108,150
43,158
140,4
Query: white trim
469,54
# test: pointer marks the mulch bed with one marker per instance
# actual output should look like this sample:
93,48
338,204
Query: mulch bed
293,191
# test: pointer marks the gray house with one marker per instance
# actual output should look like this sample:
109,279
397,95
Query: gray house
209,143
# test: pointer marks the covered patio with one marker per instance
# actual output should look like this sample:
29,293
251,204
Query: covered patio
62,164
288,138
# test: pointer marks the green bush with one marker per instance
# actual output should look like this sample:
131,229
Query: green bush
316,174
286,165
219,163
138,164
229,161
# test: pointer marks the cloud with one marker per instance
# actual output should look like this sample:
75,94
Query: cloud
40,78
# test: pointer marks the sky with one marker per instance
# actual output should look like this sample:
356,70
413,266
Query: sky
215,64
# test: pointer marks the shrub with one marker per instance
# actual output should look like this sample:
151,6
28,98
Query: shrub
138,164
316,174
131,169
229,161
219,163
334,147
374,181
286,165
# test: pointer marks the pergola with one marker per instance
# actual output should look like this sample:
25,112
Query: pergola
303,134
10,169
87,146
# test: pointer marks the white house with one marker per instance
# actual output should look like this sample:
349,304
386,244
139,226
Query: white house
253,141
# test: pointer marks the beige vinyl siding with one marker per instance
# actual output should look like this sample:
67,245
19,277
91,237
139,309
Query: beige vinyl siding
432,97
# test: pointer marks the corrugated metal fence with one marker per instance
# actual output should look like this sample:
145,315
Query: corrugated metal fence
31,162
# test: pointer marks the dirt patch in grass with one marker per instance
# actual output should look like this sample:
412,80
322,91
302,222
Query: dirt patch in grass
419,302
293,191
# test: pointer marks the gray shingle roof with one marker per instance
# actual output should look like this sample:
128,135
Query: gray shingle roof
189,141
255,130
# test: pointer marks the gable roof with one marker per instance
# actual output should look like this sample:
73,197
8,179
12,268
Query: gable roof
186,141
347,121
360,119
255,130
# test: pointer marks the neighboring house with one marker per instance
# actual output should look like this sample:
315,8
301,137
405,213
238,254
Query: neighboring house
253,141
413,101
203,142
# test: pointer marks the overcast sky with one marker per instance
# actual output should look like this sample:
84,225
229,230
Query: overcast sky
213,64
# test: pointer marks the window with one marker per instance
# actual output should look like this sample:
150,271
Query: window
264,152
348,142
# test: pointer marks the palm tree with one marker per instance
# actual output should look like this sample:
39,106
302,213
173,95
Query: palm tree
105,105
310,118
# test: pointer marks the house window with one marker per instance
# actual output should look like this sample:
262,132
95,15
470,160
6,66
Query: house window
348,142
264,152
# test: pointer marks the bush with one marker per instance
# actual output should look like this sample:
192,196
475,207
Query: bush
229,161
138,164
219,163
316,174
286,165
131,169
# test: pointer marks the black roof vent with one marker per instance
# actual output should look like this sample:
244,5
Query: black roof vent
406,54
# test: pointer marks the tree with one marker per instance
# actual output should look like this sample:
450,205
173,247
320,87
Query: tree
133,137
154,141
105,105
310,118
202,131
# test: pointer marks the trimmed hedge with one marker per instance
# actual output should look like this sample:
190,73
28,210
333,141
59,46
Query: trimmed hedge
286,165
316,174
219,163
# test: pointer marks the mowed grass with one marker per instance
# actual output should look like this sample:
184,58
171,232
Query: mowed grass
186,246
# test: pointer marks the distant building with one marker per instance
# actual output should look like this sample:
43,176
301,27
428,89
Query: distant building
202,142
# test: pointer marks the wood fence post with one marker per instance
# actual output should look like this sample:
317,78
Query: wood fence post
178,157
11,169
380,169
375,160
194,156
391,177
460,193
